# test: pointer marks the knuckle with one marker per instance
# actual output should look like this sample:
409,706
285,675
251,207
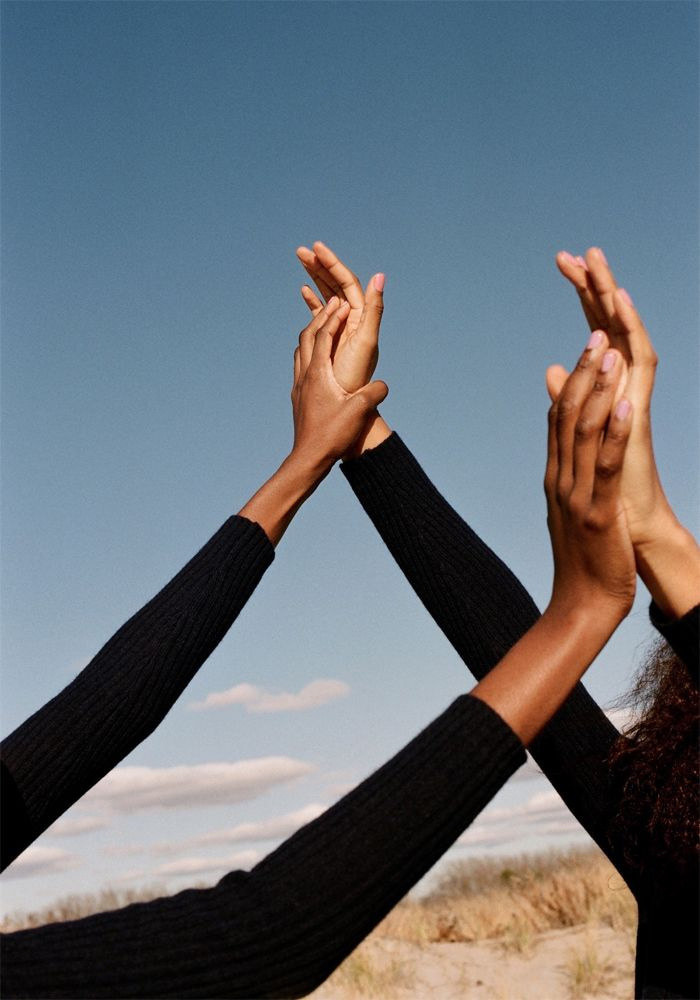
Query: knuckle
584,429
606,468
593,521
565,409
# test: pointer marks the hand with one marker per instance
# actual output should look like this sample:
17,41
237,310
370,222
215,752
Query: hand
609,308
593,555
327,418
356,351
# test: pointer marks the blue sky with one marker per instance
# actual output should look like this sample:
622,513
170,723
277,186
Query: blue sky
161,162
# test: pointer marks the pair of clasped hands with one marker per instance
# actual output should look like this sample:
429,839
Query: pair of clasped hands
607,512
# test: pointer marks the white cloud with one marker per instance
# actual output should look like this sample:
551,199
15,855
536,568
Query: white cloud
38,860
256,699
276,828
544,814
131,789
200,866
71,827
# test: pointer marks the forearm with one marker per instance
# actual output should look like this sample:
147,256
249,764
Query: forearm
475,599
310,902
538,674
127,689
669,565
277,501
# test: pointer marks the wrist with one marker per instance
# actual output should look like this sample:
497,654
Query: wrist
596,612
374,432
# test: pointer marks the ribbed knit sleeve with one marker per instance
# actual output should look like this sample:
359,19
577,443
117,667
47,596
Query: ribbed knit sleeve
682,635
280,930
483,609
127,689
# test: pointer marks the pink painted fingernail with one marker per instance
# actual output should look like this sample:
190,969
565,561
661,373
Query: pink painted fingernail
379,282
569,258
622,409
601,255
608,361
625,296
594,340
582,262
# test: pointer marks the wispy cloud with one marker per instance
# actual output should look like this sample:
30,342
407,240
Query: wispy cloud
544,814
38,860
192,866
73,826
275,828
132,789
256,699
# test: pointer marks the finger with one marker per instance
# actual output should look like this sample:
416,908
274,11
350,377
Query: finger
602,280
346,283
568,406
575,270
322,278
371,318
311,299
608,471
297,365
644,359
592,420
555,379
370,396
307,336
326,334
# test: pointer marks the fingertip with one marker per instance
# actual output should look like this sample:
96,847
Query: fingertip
623,409
623,296
379,281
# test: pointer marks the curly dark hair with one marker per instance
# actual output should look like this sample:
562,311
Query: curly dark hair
655,762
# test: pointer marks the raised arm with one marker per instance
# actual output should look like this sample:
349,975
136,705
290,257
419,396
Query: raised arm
127,689
666,554
279,930
479,604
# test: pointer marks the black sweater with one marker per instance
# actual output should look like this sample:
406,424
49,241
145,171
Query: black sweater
280,929
483,610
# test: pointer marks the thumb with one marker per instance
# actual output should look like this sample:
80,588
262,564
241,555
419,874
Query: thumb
555,378
370,396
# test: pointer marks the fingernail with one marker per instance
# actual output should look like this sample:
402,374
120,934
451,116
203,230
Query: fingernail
625,296
608,361
379,281
582,262
332,302
622,409
594,340
569,258
601,255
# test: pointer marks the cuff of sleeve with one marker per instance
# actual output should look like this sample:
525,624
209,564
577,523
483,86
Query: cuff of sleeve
682,635
254,538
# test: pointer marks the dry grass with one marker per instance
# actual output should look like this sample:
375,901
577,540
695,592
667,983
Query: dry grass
362,974
74,907
588,971
514,899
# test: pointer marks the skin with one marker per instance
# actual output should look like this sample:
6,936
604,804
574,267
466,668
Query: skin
357,350
594,579
327,420
594,569
667,556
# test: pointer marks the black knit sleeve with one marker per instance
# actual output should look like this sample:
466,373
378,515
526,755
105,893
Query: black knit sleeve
483,609
281,929
127,689
682,635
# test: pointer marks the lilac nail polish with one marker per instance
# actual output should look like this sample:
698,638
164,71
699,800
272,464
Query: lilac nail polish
622,409
594,340
601,255
379,281
608,361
